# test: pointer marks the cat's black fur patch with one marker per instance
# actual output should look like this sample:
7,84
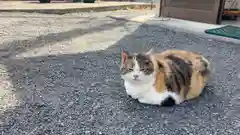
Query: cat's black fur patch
169,101
181,73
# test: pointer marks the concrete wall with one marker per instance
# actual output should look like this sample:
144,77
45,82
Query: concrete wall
146,1
238,4
233,4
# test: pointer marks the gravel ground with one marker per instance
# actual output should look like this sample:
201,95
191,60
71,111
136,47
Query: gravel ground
61,76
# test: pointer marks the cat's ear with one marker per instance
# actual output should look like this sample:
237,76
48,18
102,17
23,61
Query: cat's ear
160,66
124,56
150,51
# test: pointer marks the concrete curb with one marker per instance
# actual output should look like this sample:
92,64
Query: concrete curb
84,9
138,19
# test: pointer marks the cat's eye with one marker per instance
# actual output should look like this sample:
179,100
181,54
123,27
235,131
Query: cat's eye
130,69
147,62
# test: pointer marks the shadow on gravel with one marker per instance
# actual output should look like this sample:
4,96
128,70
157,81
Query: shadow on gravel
46,17
83,93
18,46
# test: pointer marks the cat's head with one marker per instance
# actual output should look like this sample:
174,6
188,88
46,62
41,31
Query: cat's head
137,67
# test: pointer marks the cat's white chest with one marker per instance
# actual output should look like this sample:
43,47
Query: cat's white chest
135,91
146,93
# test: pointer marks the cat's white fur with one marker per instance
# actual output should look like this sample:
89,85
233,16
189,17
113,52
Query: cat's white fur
143,88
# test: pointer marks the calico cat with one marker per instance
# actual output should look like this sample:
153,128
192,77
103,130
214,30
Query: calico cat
167,78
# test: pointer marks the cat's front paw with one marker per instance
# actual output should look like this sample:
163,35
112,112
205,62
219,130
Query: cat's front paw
133,97
142,100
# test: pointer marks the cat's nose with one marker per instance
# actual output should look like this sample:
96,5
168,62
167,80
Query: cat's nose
135,76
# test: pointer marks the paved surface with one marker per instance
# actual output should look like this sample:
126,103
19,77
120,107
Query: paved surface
62,74
62,8
193,27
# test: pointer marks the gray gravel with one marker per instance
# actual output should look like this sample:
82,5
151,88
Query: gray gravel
64,75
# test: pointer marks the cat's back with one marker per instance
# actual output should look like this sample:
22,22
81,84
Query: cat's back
185,55
195,59
190,69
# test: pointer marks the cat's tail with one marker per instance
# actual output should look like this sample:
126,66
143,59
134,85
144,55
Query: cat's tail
207,67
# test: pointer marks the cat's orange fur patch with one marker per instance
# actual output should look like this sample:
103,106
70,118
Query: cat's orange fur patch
160,83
